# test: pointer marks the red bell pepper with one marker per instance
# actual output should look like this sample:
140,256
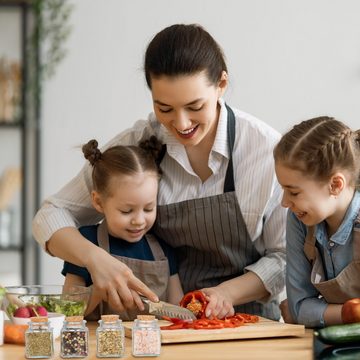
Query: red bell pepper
196,302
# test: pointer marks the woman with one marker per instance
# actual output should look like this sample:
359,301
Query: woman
218,202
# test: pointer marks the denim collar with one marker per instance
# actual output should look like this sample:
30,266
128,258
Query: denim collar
343,232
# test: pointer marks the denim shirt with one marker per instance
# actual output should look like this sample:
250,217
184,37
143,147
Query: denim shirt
337,252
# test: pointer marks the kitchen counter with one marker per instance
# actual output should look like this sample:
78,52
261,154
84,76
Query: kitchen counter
271,348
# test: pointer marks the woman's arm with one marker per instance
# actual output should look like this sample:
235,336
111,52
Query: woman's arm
240,290
270,268
55,228
112,279
175,289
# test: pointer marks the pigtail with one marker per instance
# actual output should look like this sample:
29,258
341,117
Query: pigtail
91,152
155,148
152,146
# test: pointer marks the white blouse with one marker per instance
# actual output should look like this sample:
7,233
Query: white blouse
256,187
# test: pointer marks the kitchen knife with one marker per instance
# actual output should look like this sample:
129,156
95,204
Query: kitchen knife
162,308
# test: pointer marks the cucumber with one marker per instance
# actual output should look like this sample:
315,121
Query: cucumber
339,334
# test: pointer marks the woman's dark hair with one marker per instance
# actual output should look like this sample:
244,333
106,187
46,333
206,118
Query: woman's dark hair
319,147
121,160
184,50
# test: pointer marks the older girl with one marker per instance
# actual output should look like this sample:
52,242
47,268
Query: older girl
318,165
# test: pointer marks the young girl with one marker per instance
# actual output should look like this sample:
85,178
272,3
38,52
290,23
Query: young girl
318,165
218,201
125,185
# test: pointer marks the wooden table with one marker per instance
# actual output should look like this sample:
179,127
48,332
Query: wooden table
276,348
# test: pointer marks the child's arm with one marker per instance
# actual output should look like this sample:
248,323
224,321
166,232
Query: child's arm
175,289
71,280
332,314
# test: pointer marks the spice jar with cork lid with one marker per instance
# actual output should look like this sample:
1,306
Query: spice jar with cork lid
74,338
146,336
39,342
110,337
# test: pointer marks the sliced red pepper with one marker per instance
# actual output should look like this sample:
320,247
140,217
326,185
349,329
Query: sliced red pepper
173,326
237,320
248,318
174,320
196,302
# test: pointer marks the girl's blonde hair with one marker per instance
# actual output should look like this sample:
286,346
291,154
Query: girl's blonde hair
319,147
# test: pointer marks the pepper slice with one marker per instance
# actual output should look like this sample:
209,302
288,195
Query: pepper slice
236,320
196,302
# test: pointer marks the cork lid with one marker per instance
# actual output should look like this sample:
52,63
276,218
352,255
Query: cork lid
109,318
39,319
146,317
74,318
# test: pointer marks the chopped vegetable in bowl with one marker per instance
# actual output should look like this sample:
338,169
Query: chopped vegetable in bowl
51,297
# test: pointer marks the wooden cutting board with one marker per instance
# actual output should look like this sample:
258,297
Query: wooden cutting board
265,328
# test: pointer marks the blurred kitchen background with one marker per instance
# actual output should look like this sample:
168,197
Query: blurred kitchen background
288,61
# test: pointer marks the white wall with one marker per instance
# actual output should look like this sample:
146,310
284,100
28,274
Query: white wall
288,60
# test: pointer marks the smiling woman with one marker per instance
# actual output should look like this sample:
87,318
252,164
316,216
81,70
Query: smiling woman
218,203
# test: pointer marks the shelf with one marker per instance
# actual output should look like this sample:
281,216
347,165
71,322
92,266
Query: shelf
16,248
25,150
15,2
13,124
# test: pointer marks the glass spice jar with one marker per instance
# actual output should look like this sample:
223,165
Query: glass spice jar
110,337
74,338
146,336
39,342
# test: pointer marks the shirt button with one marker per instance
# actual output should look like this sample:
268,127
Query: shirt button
331,244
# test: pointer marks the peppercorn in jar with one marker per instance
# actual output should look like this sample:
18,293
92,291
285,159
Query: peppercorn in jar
74,338
39,339
110,337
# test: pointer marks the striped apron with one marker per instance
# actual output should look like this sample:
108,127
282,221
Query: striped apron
346,285
154,273
211,239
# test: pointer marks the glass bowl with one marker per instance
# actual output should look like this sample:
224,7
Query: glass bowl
53,298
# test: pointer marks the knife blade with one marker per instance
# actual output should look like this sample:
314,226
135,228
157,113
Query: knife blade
163,308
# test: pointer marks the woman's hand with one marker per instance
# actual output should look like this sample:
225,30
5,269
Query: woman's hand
219,304
285,313
115,282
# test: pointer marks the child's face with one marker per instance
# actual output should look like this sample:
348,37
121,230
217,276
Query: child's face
311,201
188,106
130,209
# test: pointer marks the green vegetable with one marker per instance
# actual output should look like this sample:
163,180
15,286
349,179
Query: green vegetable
2,293
11,309
66,307
339,334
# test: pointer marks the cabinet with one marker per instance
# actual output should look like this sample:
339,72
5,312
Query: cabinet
19,144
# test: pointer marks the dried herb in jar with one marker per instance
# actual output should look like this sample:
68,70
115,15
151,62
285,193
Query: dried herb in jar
39,339
110,337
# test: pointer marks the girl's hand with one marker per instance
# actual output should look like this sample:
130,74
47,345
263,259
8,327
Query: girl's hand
116,283
285,313
219,304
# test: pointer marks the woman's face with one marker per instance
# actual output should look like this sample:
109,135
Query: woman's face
187,106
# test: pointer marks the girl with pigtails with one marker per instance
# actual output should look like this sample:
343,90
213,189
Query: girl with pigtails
125,186
317,164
